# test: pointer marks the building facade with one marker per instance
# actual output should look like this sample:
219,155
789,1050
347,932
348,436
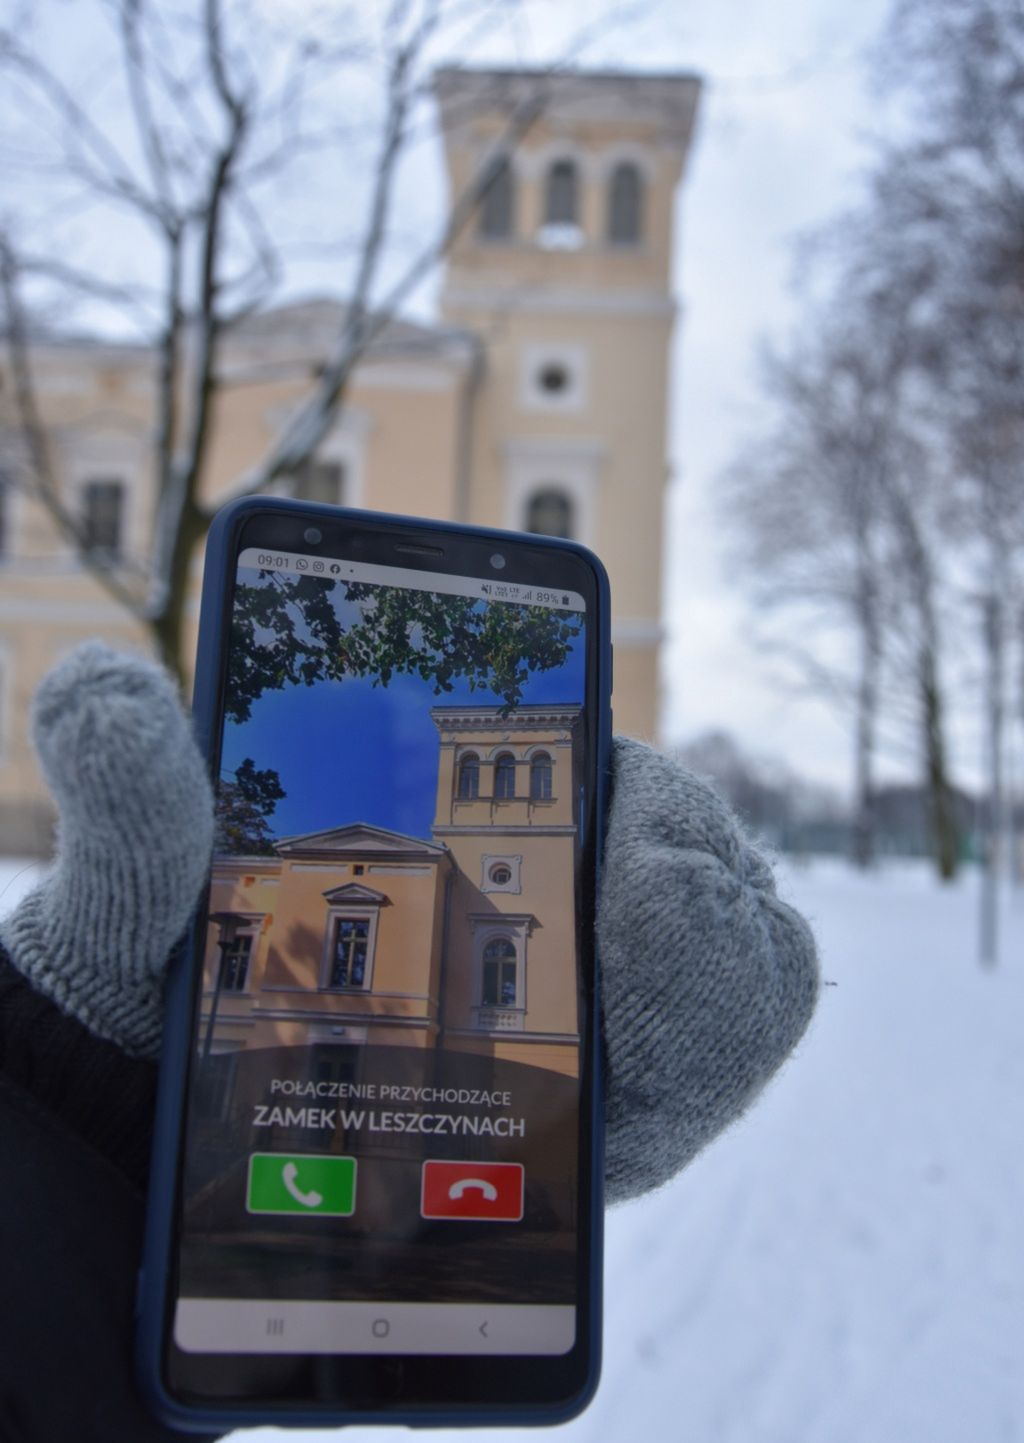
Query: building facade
537,402
358,935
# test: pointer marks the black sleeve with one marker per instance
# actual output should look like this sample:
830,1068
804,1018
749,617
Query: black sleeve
75,1129
102,1095
70,1236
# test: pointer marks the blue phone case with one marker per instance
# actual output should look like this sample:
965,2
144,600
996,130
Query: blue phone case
155,1272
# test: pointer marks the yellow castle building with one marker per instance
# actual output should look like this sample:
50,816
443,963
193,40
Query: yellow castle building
466,941
538,401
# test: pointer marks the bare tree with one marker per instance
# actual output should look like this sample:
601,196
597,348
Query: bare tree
919,585
947,228
928,316
802,505
838,514
213,107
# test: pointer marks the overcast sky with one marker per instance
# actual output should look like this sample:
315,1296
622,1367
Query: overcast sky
782,146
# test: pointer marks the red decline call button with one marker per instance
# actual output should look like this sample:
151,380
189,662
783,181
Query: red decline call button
483,1191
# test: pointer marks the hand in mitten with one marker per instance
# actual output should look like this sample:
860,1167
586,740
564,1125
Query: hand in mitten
708,978
708,981
80,1020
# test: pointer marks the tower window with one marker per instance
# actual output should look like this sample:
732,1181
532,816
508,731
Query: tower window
499,979
505,777
550,513
561,194
540,777
469,778
625,195
498,204
553,378
501,874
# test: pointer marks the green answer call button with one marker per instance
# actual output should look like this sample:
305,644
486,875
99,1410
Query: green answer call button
302,1183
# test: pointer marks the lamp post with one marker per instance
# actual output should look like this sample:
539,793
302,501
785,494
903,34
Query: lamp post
227,925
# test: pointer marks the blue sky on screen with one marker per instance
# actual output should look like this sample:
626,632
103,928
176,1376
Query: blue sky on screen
351,752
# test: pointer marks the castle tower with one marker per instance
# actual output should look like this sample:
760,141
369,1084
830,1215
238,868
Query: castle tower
507,789
565,276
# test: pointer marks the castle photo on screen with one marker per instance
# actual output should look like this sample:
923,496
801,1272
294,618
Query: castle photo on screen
417,890
466,940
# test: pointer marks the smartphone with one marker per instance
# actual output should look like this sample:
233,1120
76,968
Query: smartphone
376,1182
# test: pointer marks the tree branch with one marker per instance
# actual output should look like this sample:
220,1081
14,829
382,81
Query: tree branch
178,512
310,423
118,180
145,122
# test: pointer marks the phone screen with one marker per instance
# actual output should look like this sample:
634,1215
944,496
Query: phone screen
382,1141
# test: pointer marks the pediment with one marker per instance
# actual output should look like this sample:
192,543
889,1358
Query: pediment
359,838
356,892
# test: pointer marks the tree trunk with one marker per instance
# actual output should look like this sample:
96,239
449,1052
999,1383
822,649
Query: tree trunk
993,826
920,579
168,625
942,820
863,850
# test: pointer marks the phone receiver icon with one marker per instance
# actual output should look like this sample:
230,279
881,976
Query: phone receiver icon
488,1189
310,1199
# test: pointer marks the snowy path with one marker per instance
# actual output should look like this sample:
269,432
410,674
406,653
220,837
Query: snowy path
846,1265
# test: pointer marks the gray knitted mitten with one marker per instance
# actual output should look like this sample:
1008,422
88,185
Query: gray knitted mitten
708,979
134,841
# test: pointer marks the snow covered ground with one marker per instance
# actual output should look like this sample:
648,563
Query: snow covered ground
847,1264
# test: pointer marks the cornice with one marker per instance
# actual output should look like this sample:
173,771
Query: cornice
491,719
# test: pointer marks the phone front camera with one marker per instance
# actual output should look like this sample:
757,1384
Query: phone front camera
498,561
313,536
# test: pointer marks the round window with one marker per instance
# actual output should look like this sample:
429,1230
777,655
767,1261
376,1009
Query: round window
553,378
501,874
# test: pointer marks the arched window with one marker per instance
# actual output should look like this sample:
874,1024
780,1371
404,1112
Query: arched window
469,778
550,513
625,202
505,777
499,980
540,777
497,208
561,194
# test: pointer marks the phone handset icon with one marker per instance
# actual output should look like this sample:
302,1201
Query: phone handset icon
488,1189
310,1199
